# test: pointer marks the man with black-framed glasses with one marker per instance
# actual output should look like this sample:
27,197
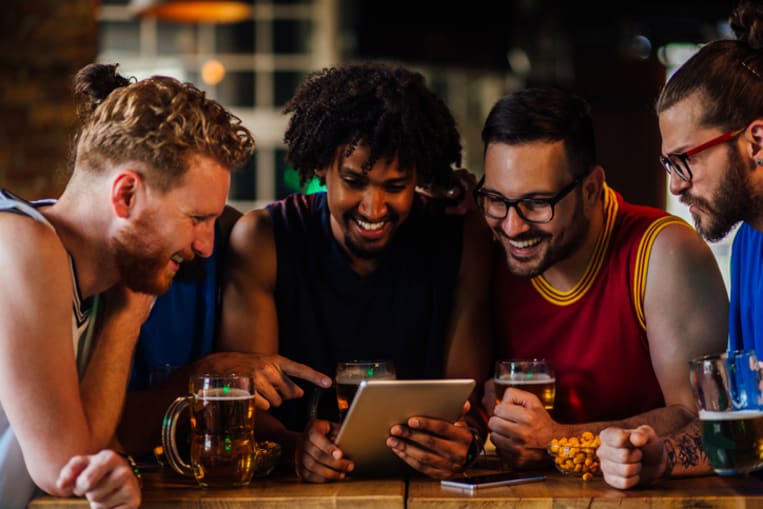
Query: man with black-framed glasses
711,121
617,297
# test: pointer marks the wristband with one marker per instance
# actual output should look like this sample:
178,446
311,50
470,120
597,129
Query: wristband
133,466
476,448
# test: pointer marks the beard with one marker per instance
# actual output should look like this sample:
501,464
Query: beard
558,247
142,264
732,202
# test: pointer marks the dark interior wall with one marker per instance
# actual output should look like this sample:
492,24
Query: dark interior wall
581,46
42,45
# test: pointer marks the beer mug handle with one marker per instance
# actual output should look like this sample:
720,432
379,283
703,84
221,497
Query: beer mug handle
169,442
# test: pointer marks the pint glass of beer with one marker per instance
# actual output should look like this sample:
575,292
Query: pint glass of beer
222,430
531,375
727,388
349,374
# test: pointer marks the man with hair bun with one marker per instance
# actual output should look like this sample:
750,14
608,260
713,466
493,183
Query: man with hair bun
711,121
151,173
368,269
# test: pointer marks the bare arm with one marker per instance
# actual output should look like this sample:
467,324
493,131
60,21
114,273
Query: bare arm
638,457
249,286
39,386
685,306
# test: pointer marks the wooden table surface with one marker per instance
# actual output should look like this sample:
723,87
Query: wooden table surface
277,492
556,491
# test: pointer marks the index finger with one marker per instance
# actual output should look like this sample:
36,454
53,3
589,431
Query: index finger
298,370
616,437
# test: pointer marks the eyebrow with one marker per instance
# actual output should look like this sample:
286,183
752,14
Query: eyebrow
527,196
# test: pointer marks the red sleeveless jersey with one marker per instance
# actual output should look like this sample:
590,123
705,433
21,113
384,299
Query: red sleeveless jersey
594,335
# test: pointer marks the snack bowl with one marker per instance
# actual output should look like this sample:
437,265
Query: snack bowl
576,456
266,457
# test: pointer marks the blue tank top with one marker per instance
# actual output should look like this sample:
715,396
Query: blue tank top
329,313
746,301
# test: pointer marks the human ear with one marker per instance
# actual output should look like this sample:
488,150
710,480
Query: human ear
592,186
754,135
124,192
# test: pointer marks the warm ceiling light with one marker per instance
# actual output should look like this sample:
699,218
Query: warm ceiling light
193,11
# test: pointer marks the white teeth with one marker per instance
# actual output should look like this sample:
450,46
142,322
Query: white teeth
523,244
369,226
177,259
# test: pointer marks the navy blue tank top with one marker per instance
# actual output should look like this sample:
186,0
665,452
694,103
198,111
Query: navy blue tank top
329,313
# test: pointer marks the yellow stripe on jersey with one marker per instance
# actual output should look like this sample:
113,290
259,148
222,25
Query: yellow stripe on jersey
594,264
642,262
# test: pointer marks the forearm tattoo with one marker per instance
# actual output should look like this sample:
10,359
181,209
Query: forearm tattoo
688,451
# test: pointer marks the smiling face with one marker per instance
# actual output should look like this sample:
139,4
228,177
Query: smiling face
720,193
534,170
366,207
172,228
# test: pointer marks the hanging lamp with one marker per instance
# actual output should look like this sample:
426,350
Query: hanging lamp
193,11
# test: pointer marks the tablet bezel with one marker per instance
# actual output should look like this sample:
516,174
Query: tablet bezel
380,404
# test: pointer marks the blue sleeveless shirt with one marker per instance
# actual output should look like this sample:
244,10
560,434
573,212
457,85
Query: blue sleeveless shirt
746,301
329,313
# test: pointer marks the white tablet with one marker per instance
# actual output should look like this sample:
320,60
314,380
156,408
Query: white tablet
380,404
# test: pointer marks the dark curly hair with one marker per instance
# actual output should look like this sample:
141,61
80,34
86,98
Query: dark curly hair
389,108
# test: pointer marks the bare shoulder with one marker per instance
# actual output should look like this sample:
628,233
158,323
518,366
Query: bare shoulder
680,242
29,242
252,247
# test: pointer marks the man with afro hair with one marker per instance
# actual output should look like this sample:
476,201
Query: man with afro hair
369,269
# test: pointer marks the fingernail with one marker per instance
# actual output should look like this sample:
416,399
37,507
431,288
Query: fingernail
395,430
326,382
336,454
414,423
392,442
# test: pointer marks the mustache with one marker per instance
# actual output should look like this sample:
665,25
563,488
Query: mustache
689,200
530,234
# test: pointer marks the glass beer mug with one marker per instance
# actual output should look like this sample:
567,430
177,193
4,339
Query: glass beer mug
727,388
349,375
222,431
532,375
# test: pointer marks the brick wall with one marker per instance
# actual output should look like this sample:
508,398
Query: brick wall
42,44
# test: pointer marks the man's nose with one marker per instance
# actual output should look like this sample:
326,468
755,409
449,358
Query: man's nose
374,203
204,243
513,224
677,185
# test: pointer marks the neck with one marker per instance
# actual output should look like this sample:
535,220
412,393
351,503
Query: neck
565,274
82,231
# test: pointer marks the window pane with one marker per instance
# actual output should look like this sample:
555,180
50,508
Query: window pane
237,89
291,36
235,37
243,185
119,37
284,84
176,38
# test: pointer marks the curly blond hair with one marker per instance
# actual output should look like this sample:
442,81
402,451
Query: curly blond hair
158,121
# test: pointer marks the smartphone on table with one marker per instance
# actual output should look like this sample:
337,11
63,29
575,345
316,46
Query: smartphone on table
474,482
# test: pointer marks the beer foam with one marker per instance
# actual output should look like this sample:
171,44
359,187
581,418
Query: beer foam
708,415
224,394
526,378
355,378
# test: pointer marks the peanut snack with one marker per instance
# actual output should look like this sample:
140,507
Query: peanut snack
576,455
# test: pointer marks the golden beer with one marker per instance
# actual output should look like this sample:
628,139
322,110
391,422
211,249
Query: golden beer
222,443
350,374
733,441
542,385
345,393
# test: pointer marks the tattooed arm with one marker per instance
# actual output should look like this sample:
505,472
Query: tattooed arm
639,457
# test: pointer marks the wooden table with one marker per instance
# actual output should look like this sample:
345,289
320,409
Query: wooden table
169,491
559,492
